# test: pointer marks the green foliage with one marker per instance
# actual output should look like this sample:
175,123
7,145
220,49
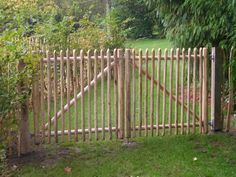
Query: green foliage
134,17
63,24
195,23
12,52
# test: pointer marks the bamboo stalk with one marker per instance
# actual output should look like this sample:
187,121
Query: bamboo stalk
164,94
182,91
152,90
55,96
75,94
177,90
158,91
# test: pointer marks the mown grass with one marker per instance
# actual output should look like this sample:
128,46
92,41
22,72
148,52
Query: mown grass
149,44
170,156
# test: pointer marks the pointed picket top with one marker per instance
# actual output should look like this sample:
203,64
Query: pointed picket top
189,52
61,53
195,52
102,53
47,54
81,54
166,53
153,51
140,52
115,52
89,54
108,53
74,53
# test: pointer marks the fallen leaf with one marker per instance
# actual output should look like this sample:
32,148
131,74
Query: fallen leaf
195,159
14,167
67,169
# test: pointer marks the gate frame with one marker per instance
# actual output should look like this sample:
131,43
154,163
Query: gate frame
123,66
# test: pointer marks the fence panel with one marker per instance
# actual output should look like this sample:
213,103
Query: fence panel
95,95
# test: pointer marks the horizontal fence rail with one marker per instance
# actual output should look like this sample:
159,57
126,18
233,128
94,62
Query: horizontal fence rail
97,95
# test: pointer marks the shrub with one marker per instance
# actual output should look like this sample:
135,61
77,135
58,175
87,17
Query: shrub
12,52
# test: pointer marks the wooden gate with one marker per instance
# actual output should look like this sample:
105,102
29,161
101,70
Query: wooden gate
123,94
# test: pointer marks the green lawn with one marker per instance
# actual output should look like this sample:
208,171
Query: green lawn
170,156
149,44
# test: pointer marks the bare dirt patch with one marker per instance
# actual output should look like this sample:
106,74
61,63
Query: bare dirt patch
41,156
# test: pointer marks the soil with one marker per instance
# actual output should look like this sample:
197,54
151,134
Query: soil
41,156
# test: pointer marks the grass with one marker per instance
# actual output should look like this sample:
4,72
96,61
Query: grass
172,156
149,44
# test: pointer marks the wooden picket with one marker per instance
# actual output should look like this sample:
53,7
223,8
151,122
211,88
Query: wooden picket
122,92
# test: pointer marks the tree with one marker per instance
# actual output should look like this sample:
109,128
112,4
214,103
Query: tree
135,18
194,23
198,23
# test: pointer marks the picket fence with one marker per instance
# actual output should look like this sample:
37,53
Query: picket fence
102,94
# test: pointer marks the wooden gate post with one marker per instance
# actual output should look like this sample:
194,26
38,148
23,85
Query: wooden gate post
36,107
121,65
205,91
24,138
216,88
128,97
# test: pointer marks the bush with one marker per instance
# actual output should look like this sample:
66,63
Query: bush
22,19
12,52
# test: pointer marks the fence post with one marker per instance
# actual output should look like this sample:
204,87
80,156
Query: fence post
231,90
205,91
121,66
24,139
36,107
216,88
128,98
